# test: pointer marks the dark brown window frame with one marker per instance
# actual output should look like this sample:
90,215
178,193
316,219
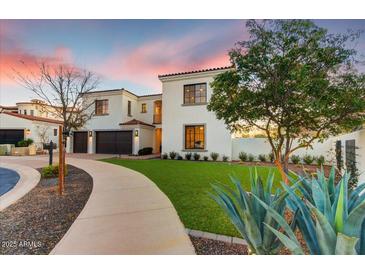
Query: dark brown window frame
129,108
143,108
194,91
192,144
103,108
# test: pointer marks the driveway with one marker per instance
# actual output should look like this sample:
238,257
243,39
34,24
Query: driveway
125,214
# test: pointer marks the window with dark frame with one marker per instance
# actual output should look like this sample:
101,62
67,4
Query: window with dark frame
195,94
101,107
195,137
55,132
129,108
144,108
25,112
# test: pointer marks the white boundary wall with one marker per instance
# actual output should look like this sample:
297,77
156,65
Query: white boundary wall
258,146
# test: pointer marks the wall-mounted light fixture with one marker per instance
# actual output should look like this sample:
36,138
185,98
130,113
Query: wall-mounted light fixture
27,131
90,134
136,133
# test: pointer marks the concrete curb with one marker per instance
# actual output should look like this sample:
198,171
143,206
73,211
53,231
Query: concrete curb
29,178
217,237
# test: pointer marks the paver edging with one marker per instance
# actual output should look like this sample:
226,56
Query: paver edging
217,237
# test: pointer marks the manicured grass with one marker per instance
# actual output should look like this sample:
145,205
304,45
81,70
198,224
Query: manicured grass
187,184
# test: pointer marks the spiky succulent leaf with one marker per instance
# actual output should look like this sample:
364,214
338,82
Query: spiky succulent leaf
354,221
345,245
362,239
292,245
325,233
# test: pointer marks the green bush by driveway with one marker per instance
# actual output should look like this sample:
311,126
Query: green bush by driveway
187,183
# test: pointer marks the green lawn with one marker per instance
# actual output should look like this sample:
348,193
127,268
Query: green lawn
187,183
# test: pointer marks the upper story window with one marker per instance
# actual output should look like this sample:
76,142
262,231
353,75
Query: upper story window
55,132
25,112
101,107
195,94
144,108
129,108
32,112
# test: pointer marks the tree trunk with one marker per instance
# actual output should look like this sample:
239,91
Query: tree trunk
280,167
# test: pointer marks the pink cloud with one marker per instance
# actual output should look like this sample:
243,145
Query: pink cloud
143,64
18,60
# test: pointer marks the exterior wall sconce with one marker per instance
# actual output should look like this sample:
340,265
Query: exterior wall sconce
27,131
90,134
136,133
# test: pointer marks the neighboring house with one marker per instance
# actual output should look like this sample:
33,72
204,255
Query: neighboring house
122,123
38,108
15,127
176,120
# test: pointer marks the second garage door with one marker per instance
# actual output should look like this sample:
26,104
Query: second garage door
114,142
11,136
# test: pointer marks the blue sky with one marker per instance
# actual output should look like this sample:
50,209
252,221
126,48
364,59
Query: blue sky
126,53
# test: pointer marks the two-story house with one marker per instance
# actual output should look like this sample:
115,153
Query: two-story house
176,120
122,123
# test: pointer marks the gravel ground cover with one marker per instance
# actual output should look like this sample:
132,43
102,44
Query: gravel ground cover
38,221
213,247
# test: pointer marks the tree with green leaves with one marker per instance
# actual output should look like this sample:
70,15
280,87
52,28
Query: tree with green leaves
293,80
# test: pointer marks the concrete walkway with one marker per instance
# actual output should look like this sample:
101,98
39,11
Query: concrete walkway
125,214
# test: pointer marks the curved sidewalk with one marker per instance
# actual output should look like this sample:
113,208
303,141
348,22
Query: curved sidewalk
125,214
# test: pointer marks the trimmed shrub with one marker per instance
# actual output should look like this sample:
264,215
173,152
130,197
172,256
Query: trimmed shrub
145,151
52,171
224,158
179,157
271,157
164,156
188,156
320,160
172,155
25,143
251,158
243,156
206,158
214,156
308,159
262,157
295,159
196,156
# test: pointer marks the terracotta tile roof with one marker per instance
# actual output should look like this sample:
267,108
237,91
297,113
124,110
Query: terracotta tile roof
135,122
120,89
33,118
194,71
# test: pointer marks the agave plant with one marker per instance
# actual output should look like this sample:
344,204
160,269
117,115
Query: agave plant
248,216
330,218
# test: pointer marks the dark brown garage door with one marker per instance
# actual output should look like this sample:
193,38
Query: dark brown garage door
11,136
114,142
80,142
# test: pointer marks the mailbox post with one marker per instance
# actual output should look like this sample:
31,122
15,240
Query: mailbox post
50,150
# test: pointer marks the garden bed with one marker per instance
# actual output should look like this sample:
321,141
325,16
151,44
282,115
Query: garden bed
296,168
38,221
213,247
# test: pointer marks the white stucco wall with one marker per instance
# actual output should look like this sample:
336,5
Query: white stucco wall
258,146
115,112
175,117
149,101
34,127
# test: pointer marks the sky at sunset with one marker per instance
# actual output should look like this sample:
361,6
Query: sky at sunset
125,53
